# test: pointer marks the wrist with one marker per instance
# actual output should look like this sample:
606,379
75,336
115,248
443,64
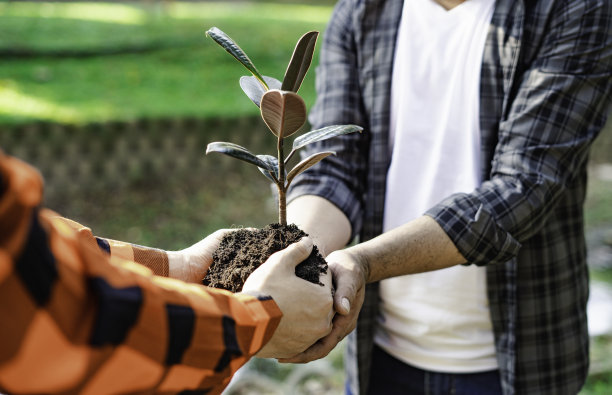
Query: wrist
362,262
178,265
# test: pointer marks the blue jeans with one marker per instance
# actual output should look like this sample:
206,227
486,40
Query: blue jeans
390,376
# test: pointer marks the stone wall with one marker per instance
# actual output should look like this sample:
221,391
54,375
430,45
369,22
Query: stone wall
120,154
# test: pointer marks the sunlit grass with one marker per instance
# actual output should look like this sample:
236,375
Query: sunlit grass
14,103
137,13
264,11
189,75
49,25
98,12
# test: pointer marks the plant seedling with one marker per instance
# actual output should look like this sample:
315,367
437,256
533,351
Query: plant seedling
283,111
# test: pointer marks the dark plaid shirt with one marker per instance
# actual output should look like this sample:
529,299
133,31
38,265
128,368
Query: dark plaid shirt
545,95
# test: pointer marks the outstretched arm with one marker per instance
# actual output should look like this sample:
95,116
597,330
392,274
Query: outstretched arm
418,246
189,264
322,220
81,320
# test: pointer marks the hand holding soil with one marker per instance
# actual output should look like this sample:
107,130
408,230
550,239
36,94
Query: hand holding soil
307,308
192,263
284,112
244,250
349,275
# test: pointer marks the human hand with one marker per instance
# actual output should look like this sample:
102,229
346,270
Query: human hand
192,263
349,274
307,307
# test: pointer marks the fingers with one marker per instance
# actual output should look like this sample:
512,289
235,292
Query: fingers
348,298
342,304
347,284
323,347
317,351
307,308
295,253
219,233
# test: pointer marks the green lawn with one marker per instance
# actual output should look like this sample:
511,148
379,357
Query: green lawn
188,74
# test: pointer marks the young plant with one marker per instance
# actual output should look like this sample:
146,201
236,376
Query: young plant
283,111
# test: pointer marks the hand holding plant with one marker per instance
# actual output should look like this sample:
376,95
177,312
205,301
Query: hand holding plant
307,308
284,113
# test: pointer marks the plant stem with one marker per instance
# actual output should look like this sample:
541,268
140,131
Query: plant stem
282,206
282,190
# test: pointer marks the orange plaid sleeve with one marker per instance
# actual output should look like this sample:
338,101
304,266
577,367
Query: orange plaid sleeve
76,319
153,258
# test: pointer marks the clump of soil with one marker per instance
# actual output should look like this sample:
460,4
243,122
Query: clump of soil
244,250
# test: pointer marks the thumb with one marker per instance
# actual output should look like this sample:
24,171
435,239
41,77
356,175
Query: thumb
296,253
346,290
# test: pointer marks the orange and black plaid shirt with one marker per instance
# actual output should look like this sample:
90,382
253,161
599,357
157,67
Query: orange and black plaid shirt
86,315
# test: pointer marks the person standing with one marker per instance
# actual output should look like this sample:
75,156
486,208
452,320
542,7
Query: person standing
478,119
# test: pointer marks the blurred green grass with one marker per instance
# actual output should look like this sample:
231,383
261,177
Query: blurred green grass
186,75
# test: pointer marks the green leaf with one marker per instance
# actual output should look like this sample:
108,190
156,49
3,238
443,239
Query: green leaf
300,62
254,89
236,151
306,164
272,167
324,134
284,112
233,49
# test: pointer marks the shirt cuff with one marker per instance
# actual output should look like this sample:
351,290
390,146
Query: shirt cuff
474,231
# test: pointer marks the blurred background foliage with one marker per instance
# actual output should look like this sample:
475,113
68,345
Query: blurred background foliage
115,102
83,62
111,63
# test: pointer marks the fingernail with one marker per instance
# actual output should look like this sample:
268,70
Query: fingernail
346,304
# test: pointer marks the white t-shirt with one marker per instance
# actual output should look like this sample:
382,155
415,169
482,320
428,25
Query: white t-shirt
440,320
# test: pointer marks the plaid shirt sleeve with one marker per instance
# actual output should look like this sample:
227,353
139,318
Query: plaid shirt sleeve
78,320
152,258
339,178
562,100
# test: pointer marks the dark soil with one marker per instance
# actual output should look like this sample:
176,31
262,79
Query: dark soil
243,251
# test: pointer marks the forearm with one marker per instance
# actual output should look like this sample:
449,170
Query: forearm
418,246
179,266
189,264
322,220
89,315
162,263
